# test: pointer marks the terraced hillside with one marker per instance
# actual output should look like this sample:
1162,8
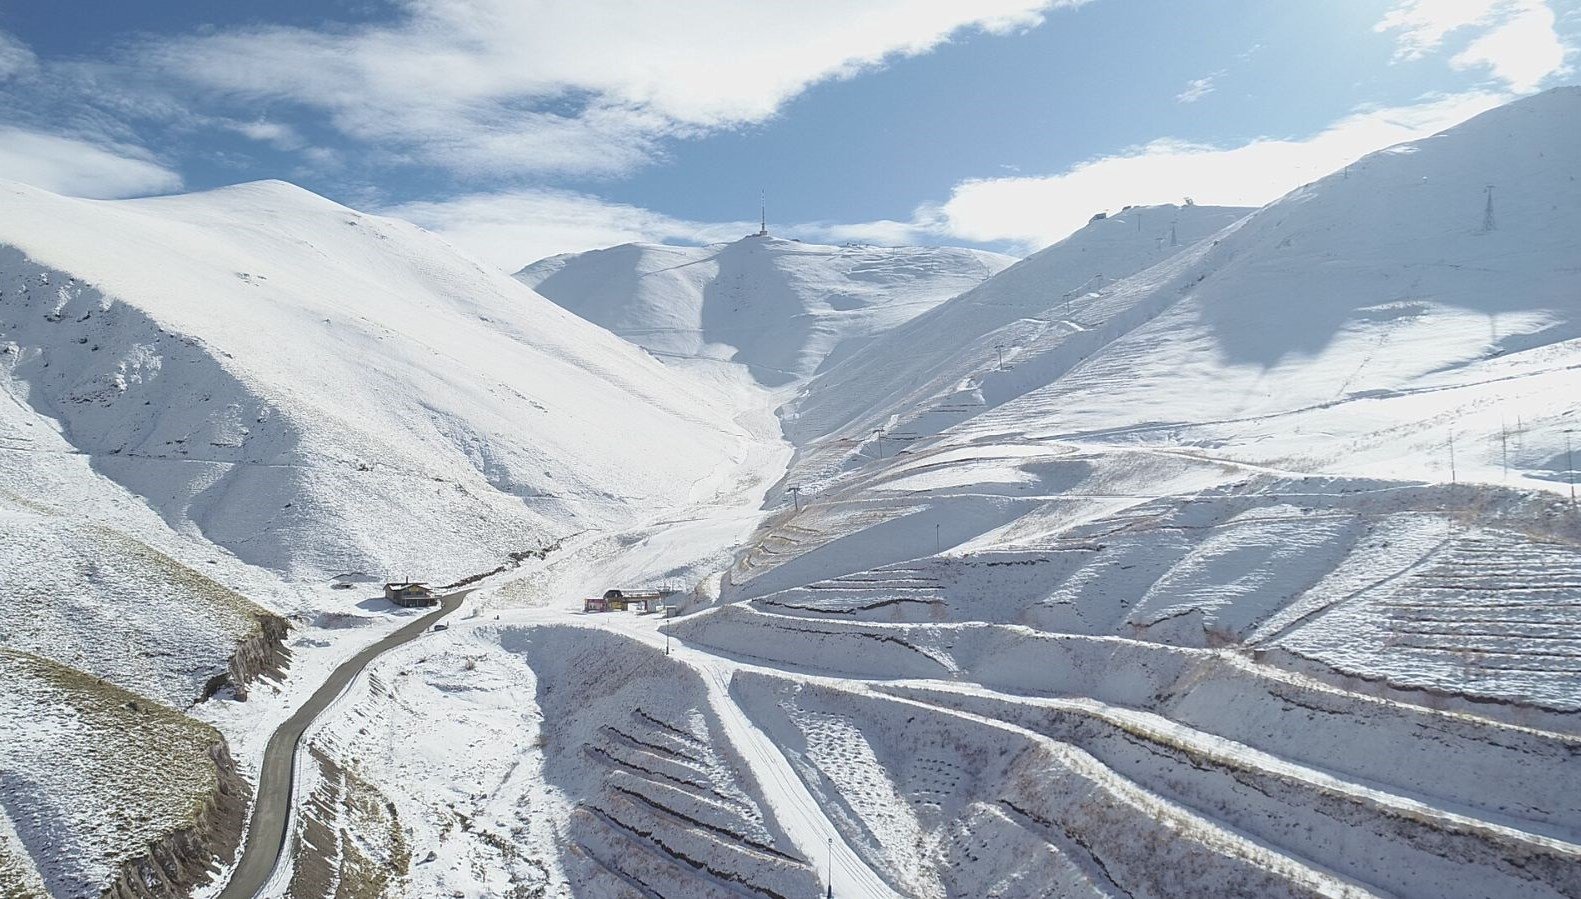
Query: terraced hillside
1261,539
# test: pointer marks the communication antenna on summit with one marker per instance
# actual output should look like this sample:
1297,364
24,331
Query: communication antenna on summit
763,214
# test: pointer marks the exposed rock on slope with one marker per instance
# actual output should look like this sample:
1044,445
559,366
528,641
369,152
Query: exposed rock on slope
109,788
184,860
97,600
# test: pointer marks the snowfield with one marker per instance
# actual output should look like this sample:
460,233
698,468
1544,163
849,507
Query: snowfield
1207,552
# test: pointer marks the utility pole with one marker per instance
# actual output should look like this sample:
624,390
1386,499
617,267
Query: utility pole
1451,457
1570,467
830,879
795,493
878,434
938,545
1000,349
1504,448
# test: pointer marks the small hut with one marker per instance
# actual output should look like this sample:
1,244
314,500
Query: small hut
410,594
611,601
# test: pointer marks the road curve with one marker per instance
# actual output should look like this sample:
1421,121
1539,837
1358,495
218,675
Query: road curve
272,806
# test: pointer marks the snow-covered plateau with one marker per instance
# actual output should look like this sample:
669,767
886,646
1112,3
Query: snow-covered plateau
1209,551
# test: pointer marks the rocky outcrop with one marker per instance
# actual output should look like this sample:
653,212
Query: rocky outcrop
261,652
182,861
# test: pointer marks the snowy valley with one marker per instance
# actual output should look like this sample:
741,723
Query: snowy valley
1208,551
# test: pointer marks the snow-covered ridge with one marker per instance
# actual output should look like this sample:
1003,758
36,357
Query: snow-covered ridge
930,364
780,307
322,391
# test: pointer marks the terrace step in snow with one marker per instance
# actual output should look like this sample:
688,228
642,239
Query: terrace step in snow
1395,843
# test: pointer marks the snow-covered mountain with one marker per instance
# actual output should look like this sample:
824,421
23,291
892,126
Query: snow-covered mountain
779,307
1278,519
1157,583
1208,552
211,404
928,373
1379,329
321,391
1352,326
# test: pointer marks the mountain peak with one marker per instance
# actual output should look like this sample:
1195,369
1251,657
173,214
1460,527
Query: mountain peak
778,306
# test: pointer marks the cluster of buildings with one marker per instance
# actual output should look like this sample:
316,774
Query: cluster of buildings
418,595
627,601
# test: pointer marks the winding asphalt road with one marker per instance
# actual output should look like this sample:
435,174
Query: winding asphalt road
272,807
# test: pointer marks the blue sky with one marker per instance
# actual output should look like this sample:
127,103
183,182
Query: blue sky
524,127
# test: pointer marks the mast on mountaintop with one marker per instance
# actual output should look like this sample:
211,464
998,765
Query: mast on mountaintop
763,212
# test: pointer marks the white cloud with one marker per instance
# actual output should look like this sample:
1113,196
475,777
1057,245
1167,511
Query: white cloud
275,134
1522,52
1514,40
15,57
1198,88
590,87
514,228
924,228
1036,211
79,168
1422,25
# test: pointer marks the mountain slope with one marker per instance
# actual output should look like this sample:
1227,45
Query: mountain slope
779,307
927,373
1362,322
322,391
1276,531
208,403
1352,329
